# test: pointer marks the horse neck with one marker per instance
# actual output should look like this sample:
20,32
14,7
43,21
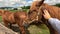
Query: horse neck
53,10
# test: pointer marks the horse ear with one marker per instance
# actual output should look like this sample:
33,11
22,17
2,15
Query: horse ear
40,3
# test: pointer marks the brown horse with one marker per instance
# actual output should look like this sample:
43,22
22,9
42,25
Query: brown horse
10,18
54,12
21,19
7,17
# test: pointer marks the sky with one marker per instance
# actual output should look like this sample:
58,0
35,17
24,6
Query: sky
19,3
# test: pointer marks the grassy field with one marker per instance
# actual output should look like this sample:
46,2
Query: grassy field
0,18
42,29
33,29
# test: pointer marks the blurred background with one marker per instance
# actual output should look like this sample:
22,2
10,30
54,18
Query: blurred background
22,4
14,5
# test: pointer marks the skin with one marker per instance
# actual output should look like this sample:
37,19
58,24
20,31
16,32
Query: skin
46,14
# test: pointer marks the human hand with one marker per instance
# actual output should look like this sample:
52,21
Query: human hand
46,14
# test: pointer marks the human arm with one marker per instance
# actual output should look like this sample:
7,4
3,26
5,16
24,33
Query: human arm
55,23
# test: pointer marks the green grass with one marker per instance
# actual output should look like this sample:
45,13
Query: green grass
42,29
0,18
13,10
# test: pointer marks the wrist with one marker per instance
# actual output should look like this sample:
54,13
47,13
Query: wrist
48,18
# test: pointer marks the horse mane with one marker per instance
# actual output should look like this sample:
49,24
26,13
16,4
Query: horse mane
53,10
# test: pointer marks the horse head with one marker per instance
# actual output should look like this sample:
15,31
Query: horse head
34,9
35,5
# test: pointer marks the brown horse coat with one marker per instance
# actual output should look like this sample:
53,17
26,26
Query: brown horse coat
14,18
54,12
7,17
21,18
